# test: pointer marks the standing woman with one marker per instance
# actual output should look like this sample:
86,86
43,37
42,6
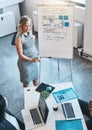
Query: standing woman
27,53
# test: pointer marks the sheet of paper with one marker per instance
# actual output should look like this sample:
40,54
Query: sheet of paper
64,95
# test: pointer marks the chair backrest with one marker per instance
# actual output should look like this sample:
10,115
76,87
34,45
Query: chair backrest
13,40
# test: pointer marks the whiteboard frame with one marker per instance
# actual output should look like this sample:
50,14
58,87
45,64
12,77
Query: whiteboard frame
52,50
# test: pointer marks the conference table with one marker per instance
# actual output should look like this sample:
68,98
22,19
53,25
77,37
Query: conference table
31,98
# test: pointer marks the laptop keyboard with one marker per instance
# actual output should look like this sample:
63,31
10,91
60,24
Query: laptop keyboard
68,109
35,116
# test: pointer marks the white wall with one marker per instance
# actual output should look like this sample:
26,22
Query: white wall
28,6
88,28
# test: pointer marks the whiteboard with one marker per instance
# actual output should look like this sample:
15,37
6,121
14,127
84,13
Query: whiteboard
55,31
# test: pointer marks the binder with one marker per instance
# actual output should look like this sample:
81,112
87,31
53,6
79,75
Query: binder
64,95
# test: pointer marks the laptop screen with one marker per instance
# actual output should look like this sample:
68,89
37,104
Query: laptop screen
43,108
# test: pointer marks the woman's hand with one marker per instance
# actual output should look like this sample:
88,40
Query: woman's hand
36,59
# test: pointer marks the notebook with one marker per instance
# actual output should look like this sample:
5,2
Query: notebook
45,89
68,125
36,116
72,110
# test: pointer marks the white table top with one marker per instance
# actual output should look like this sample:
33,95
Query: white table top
31,98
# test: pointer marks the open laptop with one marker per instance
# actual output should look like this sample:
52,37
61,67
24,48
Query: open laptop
72,110
36,116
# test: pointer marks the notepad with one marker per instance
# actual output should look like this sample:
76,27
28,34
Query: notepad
45,89
68,125
65,95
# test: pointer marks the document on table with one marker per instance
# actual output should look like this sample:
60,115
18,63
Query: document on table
65,95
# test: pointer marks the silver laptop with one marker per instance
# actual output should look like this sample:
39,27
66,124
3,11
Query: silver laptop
36,116
72,110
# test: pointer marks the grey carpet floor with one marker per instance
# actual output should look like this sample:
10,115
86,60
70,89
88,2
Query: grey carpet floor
51,70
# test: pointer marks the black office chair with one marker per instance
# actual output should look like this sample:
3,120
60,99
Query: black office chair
13,40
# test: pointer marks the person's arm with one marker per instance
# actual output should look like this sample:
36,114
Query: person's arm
20,52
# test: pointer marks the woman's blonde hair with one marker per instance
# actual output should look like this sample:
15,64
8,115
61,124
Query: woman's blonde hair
22,22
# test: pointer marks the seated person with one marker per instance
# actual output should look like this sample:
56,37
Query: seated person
7,120
87,110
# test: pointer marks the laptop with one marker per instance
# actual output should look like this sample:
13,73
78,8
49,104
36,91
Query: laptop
36,116
72,110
